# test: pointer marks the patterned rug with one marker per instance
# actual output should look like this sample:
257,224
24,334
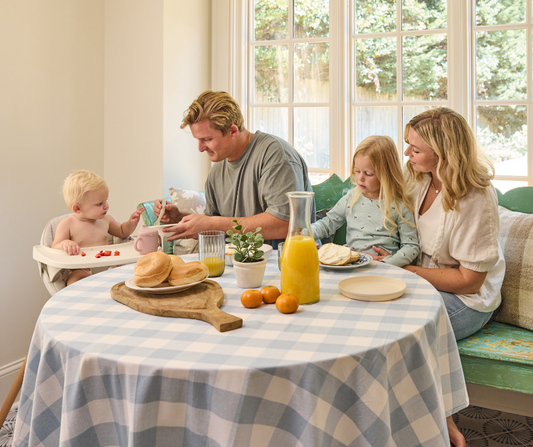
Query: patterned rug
6,432
481,427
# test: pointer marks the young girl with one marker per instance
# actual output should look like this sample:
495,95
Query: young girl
378,213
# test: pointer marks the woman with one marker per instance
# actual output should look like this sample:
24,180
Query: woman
456,212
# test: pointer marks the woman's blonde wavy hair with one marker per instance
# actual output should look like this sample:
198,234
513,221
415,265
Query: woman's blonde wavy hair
460,164
219,108
382,153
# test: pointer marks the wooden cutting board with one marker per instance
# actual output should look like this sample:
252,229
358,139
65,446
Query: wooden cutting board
200,302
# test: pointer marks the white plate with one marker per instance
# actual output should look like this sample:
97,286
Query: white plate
265,247
159,229
364,259
162,289
372,288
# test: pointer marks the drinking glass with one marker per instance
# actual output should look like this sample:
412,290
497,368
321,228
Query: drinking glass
211,246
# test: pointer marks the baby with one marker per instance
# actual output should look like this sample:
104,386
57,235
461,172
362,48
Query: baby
86,195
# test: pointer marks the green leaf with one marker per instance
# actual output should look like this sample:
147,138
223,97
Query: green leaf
238,227
229,232
259,254
238,257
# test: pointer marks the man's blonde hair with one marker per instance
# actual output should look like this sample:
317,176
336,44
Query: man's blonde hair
219,108
383,154
78,184
460,164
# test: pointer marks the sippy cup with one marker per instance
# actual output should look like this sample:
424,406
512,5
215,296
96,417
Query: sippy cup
148,240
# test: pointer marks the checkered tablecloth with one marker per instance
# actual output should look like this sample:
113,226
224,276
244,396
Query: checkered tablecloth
337,373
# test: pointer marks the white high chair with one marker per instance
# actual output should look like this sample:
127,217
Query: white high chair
54,278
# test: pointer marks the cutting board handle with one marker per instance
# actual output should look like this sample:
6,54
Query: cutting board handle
220,320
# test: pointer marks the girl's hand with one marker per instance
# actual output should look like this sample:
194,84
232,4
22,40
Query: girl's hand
136,216
380,253
70,247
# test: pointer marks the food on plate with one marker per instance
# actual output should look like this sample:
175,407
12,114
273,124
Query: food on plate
104,253
187,273
287,303
83,254
176,261
117,253
152,269
230,249
251,298
270,294
333,254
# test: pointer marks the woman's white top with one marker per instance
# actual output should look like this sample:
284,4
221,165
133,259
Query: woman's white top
467,236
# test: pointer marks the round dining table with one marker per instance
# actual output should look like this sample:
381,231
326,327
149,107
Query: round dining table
341,372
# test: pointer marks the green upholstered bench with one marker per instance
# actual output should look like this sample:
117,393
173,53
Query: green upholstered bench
501,355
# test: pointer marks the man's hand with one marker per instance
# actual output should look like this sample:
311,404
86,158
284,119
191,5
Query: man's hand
70,247
172,213
189,227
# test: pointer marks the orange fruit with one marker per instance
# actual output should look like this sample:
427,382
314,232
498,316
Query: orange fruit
287,304
251,298
270,294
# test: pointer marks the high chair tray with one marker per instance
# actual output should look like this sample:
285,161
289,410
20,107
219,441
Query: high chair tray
58,258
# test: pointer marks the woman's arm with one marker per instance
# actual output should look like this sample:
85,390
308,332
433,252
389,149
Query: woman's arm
458,281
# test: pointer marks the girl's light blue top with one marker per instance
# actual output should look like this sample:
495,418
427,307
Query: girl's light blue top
365,228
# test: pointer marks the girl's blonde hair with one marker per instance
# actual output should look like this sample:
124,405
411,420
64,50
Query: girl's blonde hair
382,153
460,164
79,183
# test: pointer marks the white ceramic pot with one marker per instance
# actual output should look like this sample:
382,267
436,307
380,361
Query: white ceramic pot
249,275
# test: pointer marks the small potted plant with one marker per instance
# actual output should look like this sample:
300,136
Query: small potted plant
248,262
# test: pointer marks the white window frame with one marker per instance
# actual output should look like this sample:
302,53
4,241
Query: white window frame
231,69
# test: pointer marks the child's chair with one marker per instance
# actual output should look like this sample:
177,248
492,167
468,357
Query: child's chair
54,278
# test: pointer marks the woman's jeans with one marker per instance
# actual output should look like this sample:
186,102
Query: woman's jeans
465,321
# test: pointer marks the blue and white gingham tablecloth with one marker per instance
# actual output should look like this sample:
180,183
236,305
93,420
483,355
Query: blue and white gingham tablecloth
337,373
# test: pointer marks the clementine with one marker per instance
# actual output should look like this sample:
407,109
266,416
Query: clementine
270,294
287,304
251,298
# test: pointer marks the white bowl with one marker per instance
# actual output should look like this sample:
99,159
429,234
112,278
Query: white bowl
229,253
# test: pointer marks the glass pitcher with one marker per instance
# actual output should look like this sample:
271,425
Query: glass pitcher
299,262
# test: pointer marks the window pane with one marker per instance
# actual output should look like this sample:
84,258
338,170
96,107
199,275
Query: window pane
311,77
423,14
271,19
375,16
271,74
311,18
273,120
375,121
502,135
501,64
507,185
311,135
425,67
490,12
376,69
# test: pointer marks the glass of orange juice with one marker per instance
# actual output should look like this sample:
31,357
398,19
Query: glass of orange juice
211,251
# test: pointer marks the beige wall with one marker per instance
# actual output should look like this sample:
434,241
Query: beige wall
89,84
51,123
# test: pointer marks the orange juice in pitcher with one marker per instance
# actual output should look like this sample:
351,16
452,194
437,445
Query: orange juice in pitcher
299,262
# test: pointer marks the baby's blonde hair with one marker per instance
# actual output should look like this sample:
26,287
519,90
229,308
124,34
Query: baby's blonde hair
78,184
382,153
219,108
460,164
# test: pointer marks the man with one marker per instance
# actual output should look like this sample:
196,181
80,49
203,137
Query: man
251,175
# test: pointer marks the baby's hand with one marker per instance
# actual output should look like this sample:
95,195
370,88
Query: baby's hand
70,247
136,215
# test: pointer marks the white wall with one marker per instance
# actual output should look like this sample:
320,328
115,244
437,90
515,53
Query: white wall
51,123
186,74
97,85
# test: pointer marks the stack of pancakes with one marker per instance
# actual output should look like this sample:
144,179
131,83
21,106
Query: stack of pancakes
333,254
155,268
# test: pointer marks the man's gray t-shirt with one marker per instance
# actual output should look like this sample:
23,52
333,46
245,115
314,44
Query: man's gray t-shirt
257,181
